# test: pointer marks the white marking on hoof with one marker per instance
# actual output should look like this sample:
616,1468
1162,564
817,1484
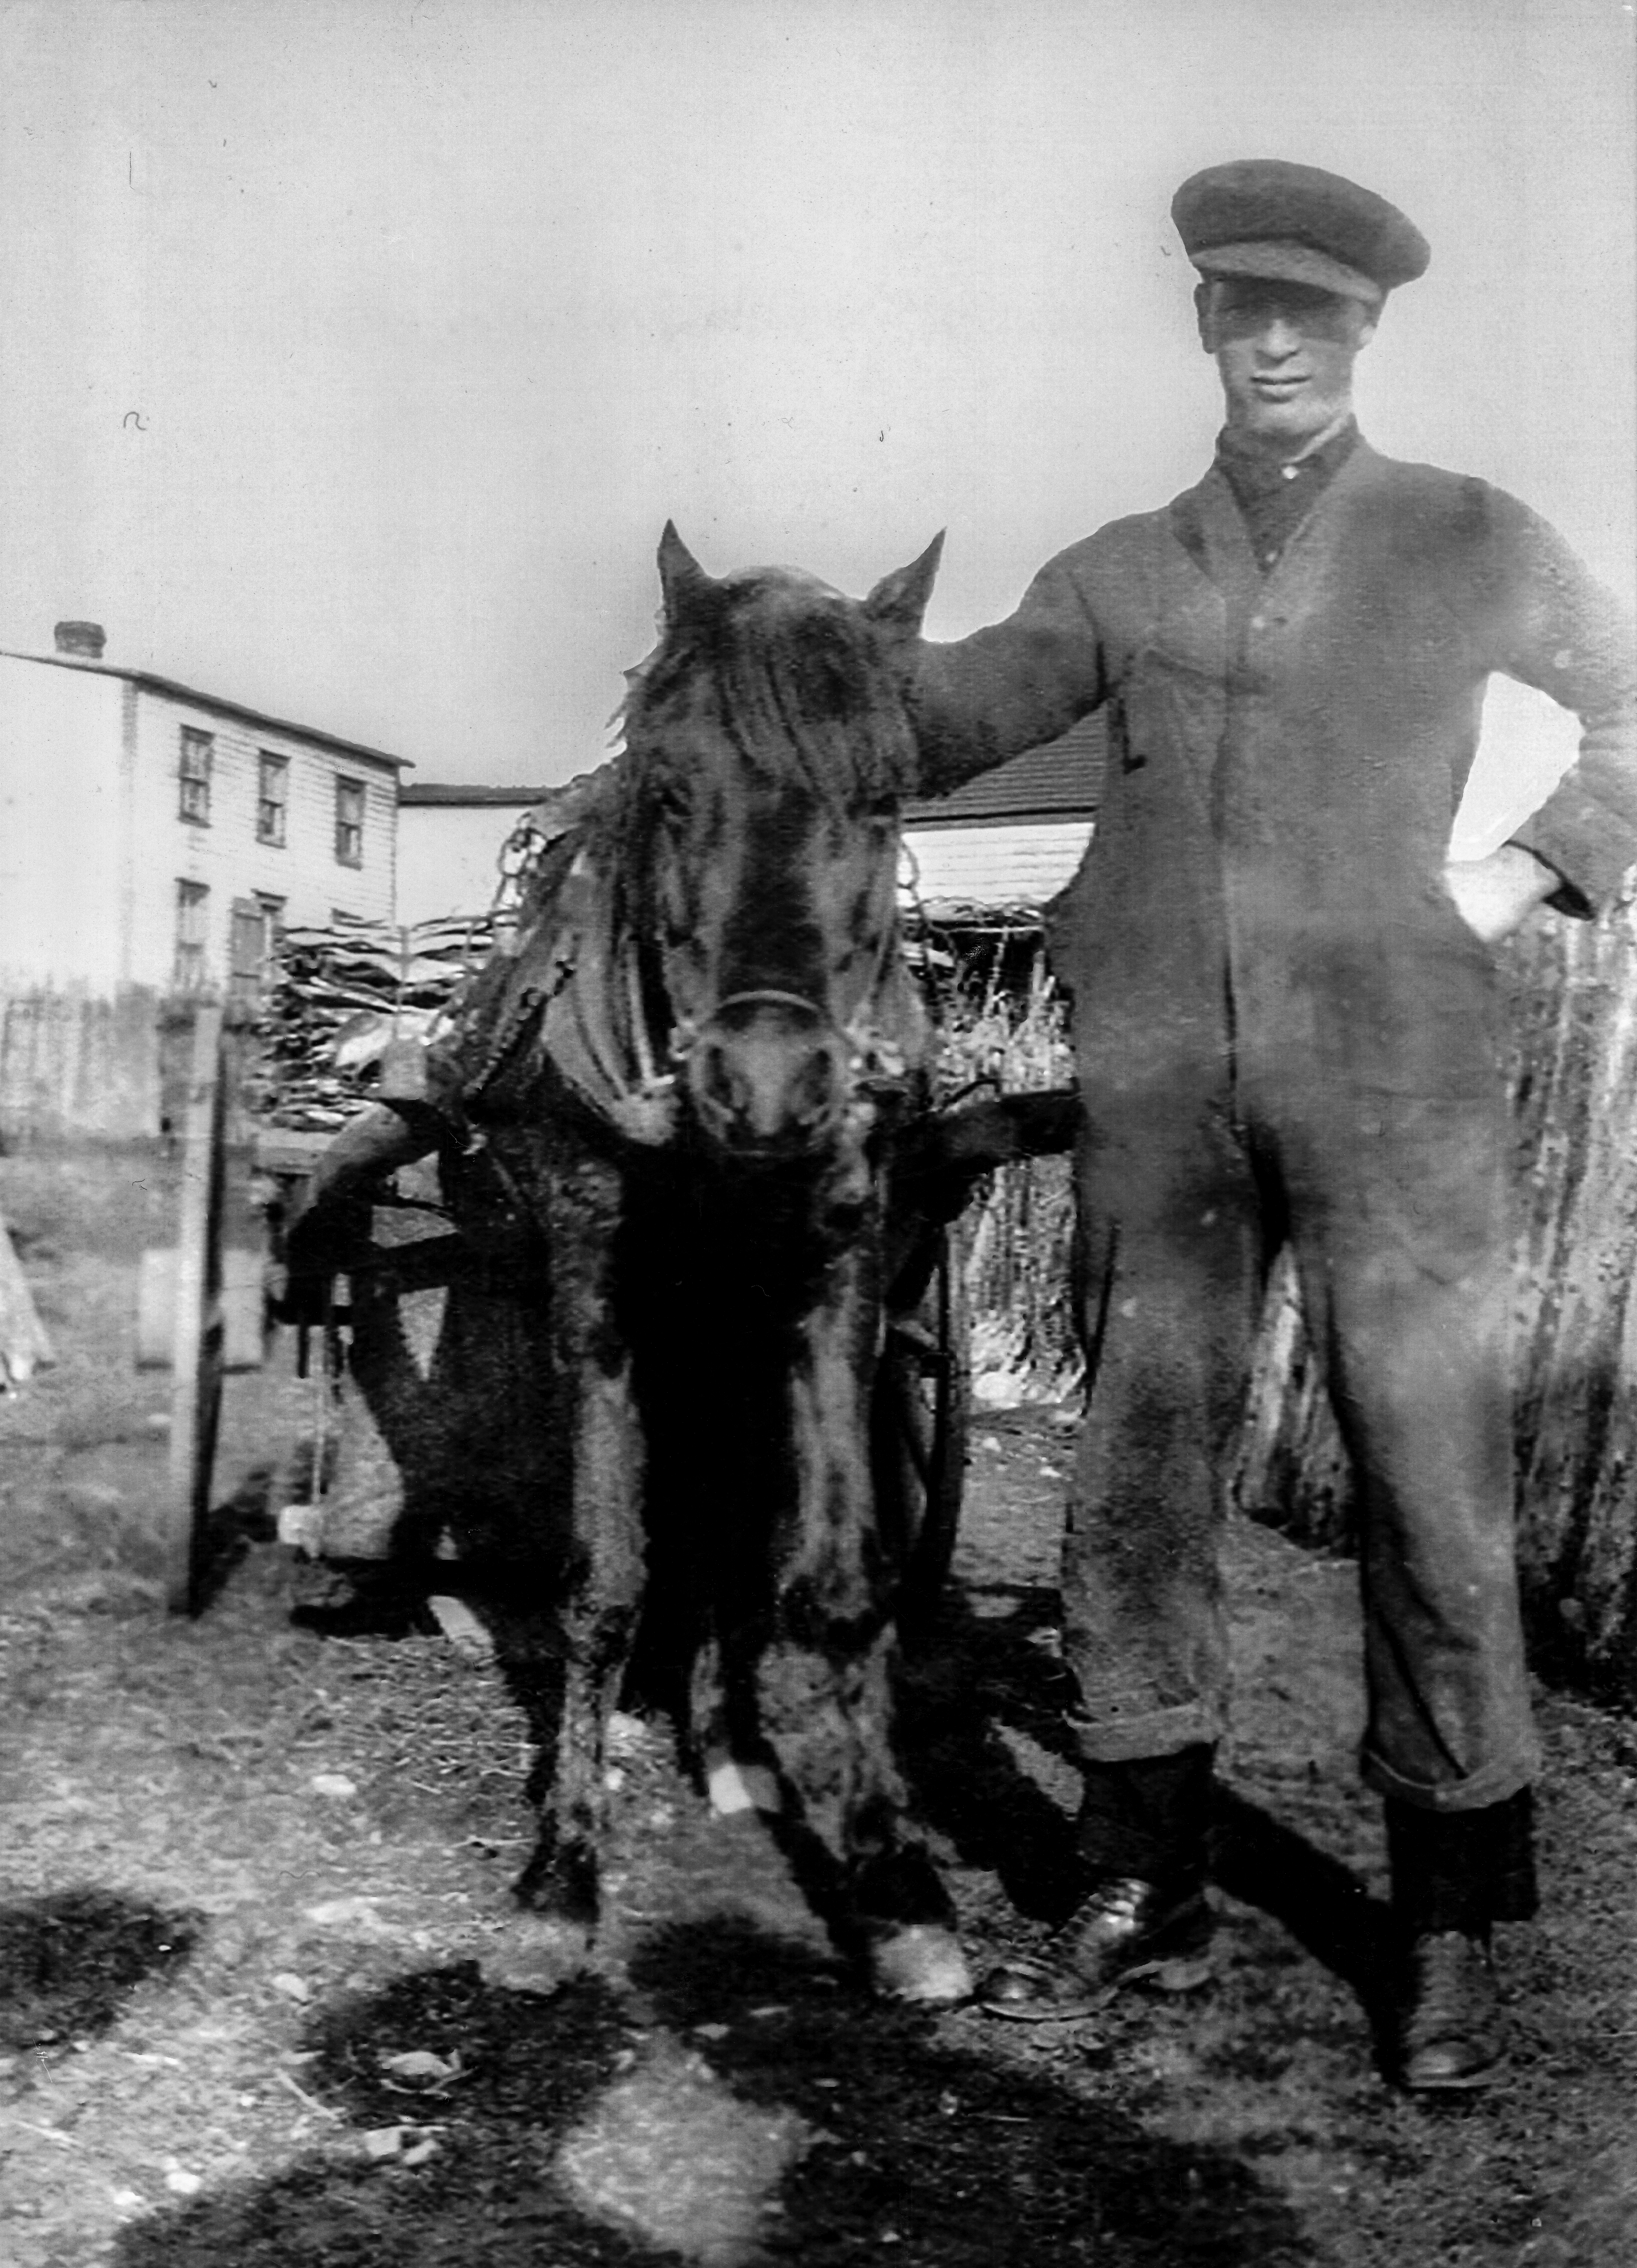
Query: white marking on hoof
463,1630
626,1733
922,1964
733,1786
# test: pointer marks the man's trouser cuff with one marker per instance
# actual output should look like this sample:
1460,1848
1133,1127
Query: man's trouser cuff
1127,1734
1493,1783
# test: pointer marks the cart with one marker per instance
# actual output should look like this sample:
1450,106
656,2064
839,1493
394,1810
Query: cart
208,1307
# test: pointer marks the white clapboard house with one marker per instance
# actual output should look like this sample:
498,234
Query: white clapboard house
153,836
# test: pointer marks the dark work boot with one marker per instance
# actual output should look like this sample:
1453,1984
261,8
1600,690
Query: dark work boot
1125,1929
1449,2033
1454,1873
1143,1915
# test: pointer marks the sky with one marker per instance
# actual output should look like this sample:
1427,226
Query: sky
355,352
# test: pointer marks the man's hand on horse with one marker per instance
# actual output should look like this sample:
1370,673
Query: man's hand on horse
1495,895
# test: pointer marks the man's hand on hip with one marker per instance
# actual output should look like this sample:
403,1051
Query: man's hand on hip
1494,895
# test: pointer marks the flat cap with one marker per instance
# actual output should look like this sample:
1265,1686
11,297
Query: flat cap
1263,216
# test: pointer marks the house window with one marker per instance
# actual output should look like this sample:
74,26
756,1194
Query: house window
350,822
272,798
192,903
193,777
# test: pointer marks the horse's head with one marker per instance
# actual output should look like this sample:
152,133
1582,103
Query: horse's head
769,752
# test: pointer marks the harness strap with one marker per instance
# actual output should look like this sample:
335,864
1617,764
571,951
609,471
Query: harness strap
583,1014
579,1035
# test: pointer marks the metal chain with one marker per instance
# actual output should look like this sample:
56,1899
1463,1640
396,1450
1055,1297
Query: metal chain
926,974
515,865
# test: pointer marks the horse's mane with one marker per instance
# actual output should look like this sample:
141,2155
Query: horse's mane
792,674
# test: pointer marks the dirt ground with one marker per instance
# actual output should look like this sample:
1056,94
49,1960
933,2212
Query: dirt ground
250,1869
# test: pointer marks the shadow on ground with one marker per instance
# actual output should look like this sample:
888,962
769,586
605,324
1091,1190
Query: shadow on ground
1323,1904
69,1963
908,2142
246,1517
978,1678
969,1680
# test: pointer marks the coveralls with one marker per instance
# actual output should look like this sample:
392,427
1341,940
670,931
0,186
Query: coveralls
1285,1030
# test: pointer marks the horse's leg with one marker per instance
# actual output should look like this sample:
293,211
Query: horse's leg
599,1444
836,1643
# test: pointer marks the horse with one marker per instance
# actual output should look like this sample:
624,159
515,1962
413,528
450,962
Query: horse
686,1072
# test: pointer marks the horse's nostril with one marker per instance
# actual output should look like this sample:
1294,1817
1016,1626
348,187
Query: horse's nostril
813,1091
762,1085
719,1081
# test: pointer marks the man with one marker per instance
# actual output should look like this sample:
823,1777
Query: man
1284,1018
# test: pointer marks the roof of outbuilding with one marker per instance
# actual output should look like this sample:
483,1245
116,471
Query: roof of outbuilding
1062,779
455,793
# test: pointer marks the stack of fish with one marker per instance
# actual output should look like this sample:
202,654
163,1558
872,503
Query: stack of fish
338,996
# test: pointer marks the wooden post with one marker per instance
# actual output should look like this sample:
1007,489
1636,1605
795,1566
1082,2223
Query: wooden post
196,1347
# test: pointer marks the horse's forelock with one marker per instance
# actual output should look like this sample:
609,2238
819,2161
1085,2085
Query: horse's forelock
792,673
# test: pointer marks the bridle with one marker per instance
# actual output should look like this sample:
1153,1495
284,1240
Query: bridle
589,1005
635,1087
871,1055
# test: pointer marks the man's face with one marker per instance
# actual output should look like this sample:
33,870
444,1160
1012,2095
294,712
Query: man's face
1285,352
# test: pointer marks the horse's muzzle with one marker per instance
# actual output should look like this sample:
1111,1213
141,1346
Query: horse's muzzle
768,1076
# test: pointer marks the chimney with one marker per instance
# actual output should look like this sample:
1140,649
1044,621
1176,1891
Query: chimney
86,640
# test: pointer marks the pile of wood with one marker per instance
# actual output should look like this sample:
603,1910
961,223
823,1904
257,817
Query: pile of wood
339,996
1576,1095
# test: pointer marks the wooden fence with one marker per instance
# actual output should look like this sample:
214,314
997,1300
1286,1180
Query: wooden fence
1574,1077
75,1065
1574,986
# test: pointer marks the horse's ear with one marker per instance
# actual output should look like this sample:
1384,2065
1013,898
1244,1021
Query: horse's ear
683,581
899,601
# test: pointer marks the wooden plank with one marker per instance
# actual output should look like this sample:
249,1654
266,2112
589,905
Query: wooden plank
196,1353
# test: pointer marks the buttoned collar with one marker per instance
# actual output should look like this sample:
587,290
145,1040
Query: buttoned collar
1251,473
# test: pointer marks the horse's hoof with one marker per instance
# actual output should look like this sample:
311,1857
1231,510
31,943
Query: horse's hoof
735,1786
536,1952
922,1964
